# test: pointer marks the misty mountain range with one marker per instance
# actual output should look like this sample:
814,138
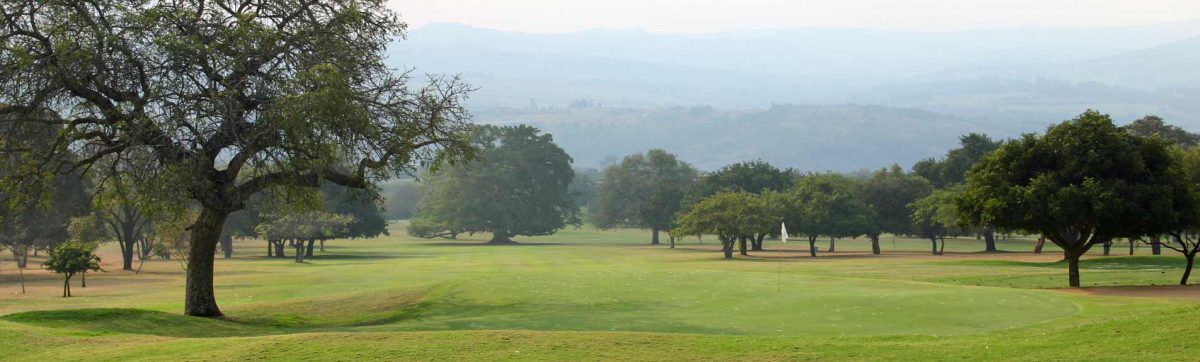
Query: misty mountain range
855,98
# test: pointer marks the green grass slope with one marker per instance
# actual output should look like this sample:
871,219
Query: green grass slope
604,295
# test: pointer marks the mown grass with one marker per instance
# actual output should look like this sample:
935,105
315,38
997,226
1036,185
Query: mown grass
588,294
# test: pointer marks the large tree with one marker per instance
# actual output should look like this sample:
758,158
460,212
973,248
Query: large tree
889,193
231,97
519,185
644,190
1082,183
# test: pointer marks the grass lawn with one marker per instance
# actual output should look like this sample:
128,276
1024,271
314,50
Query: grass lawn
603,295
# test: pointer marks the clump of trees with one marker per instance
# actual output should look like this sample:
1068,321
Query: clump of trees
1083,183
303,230
519,184
263,112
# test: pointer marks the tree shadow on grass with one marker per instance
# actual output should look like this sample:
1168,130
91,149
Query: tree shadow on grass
137,321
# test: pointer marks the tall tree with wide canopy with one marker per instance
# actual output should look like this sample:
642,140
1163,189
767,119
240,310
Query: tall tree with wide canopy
230,97
644,190
519,185
889,193
1082,183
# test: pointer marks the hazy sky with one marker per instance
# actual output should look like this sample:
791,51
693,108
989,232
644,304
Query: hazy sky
704,16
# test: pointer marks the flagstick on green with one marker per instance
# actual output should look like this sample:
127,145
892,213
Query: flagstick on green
783,235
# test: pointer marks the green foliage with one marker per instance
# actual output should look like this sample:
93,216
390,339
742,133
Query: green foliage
585,187
952,169
402,199
936,216
1150,126
1082,183
889,193
311,225
362,207
753,177
644,190
88,229
71,258
826,204
519,185
243,106
730,215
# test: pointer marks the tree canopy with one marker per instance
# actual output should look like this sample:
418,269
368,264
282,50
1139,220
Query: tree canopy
936,217
753,177
519,185
889,193
231,100
1150,126
952,169
644,190
826,204
72,258
730,215
1082,183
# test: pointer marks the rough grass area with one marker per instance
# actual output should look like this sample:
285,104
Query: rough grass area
587,294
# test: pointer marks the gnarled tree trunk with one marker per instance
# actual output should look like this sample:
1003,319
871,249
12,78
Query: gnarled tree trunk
874,244
654,236
1041,242
832,244
1155,246
742,245
199,300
